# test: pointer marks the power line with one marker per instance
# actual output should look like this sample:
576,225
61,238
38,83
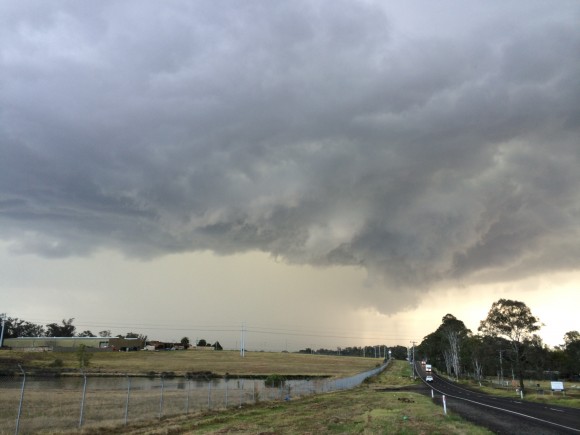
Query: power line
256,329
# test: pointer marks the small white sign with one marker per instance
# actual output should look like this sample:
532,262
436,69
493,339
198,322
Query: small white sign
557,386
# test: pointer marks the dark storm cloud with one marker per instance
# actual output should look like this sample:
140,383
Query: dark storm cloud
321,132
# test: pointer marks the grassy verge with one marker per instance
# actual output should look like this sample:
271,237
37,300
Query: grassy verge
533,393
369,408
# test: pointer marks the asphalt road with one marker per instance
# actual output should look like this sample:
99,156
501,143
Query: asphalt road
522,415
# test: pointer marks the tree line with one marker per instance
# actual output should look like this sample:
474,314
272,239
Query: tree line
506,345
397,352
17,328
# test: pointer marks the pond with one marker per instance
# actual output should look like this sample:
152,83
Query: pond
138,383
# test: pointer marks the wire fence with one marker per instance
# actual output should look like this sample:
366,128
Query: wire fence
47,404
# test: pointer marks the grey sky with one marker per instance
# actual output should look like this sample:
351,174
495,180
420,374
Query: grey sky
426,143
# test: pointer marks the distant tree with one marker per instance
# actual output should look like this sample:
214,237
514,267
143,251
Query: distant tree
14,328
559,361
399,352
105,333
132,335
537,355
514,321
67,329
431,349
444,346
86,333
202,343
571,337
473,345
351,351
185,342
217,346
572,353
455,333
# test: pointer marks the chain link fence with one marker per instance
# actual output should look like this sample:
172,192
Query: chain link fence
36,404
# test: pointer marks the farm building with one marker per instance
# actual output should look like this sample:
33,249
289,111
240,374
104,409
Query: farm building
69,343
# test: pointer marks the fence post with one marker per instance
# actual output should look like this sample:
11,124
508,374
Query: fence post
227,380
21,399
83,400
188,394
161,398
127,401
241,393
209,394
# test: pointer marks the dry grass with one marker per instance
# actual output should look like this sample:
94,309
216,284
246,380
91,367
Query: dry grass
49,406
365,410
181,362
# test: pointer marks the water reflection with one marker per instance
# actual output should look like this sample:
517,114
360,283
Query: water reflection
137,383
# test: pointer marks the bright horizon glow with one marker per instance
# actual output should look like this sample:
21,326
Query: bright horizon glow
277,302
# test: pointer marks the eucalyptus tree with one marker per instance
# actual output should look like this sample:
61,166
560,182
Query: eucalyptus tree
572,353
571,337
67,329
455,332
444,346
14,328
537,355
477,352
512,320
398,352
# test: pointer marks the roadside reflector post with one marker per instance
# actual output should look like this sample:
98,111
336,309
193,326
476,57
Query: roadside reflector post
444,405
432,393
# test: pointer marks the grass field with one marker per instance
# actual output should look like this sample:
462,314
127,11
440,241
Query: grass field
368,409
181,362
380,405
383,404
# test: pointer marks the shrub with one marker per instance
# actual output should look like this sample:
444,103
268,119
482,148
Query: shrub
83,356
57,363
275,381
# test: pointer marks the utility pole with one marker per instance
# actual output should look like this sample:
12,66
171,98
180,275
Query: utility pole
500,367
413,359
3,317
242,343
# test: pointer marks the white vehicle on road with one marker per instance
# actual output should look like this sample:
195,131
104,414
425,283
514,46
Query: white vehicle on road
429,378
